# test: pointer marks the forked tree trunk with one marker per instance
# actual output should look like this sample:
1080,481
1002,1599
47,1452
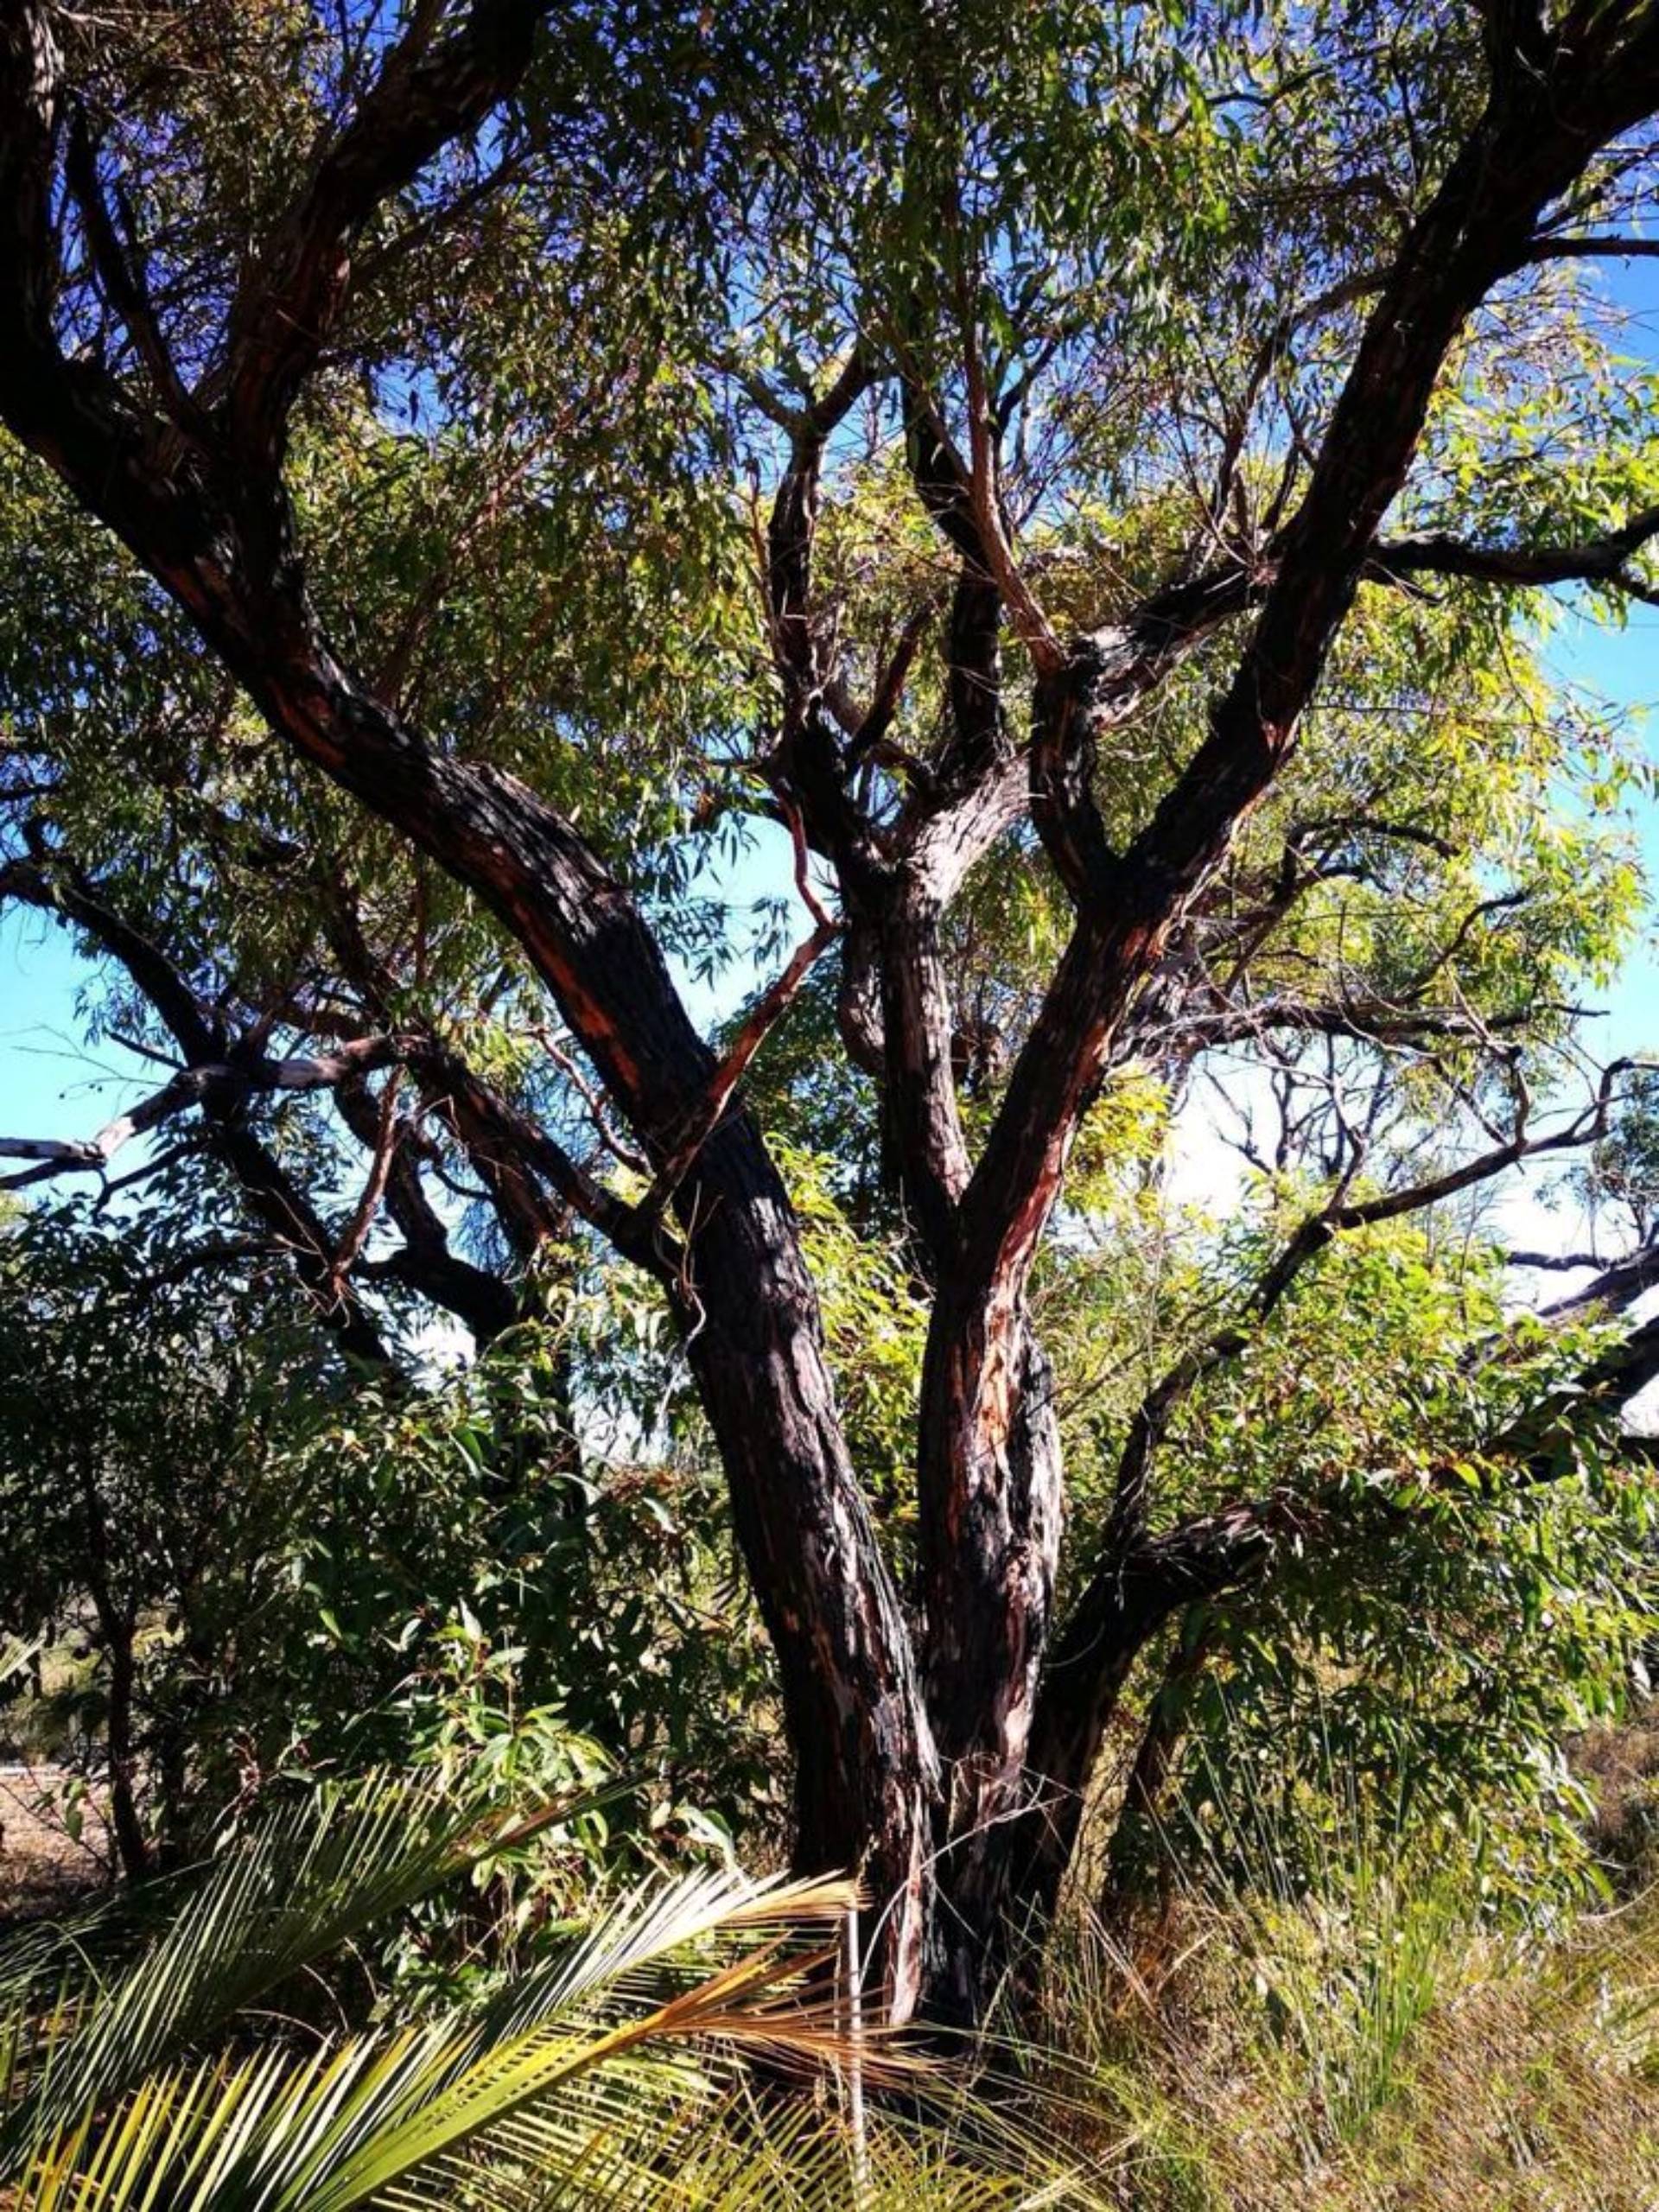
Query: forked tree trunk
200,499
989,1479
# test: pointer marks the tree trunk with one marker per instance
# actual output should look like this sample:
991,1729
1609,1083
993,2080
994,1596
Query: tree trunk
988,1582
865,1772
989,1470
127,1828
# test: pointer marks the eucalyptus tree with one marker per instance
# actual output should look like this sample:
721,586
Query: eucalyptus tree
1086,472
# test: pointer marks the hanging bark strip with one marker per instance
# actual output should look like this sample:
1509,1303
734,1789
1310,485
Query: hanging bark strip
756,1026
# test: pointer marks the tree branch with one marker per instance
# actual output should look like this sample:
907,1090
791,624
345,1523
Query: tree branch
499,1123
756,1026
1524,152
290,295
1614,1289
219,1082
268,1190
1590,247
54,884
387,1137
122,273
1338,1217
984,491
792,532
1597,560
481,1301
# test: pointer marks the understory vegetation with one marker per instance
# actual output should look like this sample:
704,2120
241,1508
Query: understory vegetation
396,1993
439,1735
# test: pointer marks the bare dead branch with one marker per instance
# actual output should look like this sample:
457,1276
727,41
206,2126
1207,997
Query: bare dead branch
1340,1215
221,1081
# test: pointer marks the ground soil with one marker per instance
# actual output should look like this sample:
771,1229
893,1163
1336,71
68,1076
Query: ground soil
43,1867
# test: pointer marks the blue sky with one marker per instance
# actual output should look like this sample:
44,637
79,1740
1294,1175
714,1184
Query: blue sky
1623,668
46,1075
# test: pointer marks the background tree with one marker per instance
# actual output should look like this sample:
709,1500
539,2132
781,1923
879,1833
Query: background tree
1167,419
136,1438
252,1569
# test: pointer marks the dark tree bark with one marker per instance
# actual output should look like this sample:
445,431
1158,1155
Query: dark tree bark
272,1196
126,1826
117,1633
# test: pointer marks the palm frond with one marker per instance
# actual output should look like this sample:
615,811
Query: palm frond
291,1893
614,2075
576,2082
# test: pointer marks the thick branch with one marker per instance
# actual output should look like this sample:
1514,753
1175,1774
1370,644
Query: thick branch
1597,560
1613,1290
1367,1022
481,1300
1525,153
271,1192
60,888
424,97
1593,248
